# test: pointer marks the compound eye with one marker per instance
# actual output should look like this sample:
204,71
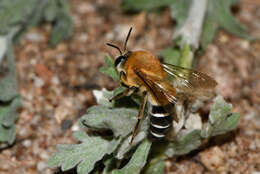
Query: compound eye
119,59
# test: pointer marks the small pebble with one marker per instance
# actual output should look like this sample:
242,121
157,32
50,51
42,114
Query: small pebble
256,172
75,127
55,80
213,159
41,165
252,146
22,132
27,143
44,155
245,44
34,36
83,37
38,82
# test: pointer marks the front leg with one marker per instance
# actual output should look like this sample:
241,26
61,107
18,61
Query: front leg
140,116
126,92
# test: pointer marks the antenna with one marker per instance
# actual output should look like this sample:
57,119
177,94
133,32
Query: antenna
128,35
114,46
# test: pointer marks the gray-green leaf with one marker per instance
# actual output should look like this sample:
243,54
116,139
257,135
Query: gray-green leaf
7,134
137,161
180,10
218,16
51,10
102,97
8,116
109,69
184,143
14,12
8,84
85,154
125,145
109,165
221,120
8,113
62,29
138,5
171,56
3,47
9,100
120,120
155,166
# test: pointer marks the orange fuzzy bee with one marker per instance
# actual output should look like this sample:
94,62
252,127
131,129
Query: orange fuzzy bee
161,85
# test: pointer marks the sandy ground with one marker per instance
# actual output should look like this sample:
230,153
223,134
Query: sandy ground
56,85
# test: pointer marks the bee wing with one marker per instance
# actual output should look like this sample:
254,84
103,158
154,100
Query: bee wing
189,82
156,87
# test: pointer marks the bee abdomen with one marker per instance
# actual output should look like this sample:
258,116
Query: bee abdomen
160,122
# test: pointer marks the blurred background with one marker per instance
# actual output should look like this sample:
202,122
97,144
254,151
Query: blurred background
57,59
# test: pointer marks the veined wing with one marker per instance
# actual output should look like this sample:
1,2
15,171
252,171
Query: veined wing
164,93
189,82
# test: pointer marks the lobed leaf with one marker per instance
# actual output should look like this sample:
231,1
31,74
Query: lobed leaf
9,100
102,97
137,161
28,13
221,120
171,55
148,5
110,68
113,118
155,166
84,155
179,11
14,12
219,16
36,16
8,111
8,88
16,16
7,134
50,10
8,84
184,144
3,47
210,28
8,116
125,145
110,164
120,120
62,29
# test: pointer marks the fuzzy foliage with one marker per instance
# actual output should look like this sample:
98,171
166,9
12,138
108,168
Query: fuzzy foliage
9,99
16,17
218,16
120,118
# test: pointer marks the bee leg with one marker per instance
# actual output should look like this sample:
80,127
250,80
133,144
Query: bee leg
127,92
140,116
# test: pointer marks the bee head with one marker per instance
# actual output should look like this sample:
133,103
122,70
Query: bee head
123,56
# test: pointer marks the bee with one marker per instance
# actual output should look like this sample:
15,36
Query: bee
161,85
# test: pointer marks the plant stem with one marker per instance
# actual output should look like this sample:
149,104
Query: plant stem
191,30
186,56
